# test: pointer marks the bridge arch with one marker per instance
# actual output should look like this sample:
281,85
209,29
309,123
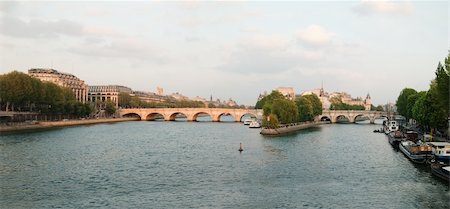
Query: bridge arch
175,115
154,116
217,118
342,116
240,117
132,115
195,116
325,118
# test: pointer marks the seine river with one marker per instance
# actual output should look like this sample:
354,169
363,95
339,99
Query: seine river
197,165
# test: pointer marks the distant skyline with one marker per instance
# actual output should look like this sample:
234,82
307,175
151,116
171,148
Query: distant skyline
232,49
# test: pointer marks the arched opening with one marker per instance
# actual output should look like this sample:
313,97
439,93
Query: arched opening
342,119
132,115
226,117
202,117
379,120
155,117
178,116
362,119
325,119
247,116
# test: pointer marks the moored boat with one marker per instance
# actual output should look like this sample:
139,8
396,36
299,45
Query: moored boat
441,171
247,121
390,126
254,124
417,153
441,151
395,138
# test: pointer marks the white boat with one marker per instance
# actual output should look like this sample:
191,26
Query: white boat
390,126
254,124
247,121
417,153
440,150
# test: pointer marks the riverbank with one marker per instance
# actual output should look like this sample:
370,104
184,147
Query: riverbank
288,128
56,124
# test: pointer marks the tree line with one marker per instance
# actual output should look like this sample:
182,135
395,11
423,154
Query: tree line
429,108
21,92
280,110
128,101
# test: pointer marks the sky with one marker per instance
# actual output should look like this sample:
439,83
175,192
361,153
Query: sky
232,49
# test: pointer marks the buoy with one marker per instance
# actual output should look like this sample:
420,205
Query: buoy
240,147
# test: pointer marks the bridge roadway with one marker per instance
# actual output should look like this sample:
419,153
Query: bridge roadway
351,115
169,114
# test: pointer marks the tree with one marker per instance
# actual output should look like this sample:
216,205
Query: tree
279,107
124,99
420,109
442,85
402,100
270,121
285,110
379,108
269,98
316,104
305,109
110,108
211,105
411,101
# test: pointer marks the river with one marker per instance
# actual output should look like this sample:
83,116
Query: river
196,165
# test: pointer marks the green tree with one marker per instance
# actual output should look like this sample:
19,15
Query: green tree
269,98
305,109
316,104
270,121
285,110
124,99
110,108
402,101
411,101
379,108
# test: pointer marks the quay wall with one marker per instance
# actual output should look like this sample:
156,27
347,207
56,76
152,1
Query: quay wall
55,124
288,128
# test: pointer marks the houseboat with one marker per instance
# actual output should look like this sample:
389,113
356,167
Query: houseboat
416,152
441,170
395,138
390,126
441,151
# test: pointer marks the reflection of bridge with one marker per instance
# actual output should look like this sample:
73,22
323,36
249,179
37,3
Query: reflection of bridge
169,114
351,115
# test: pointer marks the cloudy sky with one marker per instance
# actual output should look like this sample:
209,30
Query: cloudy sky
231,49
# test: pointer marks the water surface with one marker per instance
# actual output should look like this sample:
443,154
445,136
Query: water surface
197,165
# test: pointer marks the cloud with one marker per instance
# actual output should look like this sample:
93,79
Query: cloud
273,54
126,49
315,35
264,54
16,27
8,6
384,7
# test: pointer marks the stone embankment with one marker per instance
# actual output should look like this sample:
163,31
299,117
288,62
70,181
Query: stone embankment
289,128
56,124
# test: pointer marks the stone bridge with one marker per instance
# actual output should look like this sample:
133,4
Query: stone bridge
351,115
169,114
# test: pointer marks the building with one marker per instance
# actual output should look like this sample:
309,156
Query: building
159,91
327,98
179,97
107,93
288,92
79,88
150,97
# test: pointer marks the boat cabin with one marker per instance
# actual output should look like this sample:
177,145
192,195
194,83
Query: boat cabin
440,149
